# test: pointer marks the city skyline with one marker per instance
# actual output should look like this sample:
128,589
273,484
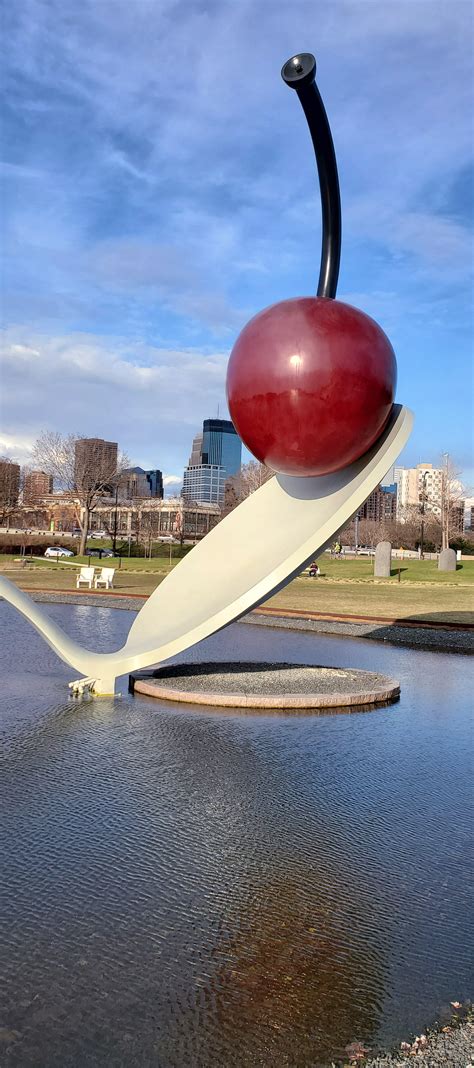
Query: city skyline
173,487
399,493
125,288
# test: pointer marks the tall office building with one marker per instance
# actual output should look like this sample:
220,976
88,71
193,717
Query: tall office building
221,445
215,456
381,505
135,482
204,484
37,484
155,482
415,482
95,462
9,483
196,451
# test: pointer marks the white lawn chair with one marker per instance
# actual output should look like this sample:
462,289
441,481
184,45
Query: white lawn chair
85,577
106,578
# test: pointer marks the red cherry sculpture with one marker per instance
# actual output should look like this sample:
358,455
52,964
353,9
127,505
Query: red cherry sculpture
310,385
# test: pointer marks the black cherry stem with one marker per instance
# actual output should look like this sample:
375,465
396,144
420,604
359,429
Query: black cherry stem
299,73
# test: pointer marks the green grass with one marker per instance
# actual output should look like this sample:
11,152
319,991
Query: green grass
346,587
161,562
344,570
362,569
388,600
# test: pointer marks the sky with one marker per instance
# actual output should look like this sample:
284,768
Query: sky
159,189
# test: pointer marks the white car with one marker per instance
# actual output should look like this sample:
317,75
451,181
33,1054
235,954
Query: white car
57,551
98,534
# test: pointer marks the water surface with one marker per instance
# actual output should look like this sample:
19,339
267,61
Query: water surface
187,888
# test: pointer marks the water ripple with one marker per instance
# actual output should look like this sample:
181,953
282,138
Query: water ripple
187,889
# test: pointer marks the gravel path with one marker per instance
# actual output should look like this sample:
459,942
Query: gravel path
446,641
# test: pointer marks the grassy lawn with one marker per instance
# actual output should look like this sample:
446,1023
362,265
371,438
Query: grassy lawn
346,587
387,600
362,569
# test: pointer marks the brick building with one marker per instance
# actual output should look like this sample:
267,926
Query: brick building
37,484
381,506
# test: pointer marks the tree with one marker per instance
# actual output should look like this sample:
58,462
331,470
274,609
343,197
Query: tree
78,474
9,487
250,477
453,495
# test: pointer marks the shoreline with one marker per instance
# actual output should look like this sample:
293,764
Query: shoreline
450,1046
446,638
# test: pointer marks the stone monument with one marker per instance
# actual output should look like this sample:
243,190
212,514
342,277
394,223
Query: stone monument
383,559
447,560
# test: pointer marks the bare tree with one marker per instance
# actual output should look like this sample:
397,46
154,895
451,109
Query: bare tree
250,477
78,474
9,487
453,495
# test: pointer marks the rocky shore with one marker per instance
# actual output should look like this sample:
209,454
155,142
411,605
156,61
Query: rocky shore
452,1046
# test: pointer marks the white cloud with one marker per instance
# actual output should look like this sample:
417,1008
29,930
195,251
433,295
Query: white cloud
168,191
151,400
16,447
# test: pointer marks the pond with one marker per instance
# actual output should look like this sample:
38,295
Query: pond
184,887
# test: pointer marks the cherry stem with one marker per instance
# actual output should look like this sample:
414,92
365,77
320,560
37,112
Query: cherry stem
299,74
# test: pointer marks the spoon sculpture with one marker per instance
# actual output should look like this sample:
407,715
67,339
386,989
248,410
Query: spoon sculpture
310,388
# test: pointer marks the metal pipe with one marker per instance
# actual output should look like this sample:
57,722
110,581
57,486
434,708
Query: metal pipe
299,74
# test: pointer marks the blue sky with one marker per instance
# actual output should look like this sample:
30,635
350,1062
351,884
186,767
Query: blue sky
159,189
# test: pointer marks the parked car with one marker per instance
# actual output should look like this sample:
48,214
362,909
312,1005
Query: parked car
57,551
100,552
98,534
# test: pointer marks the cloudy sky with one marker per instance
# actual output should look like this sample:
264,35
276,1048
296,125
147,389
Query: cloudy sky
160,189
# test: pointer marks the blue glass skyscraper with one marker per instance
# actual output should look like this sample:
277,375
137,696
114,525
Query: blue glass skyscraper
221,445
215,456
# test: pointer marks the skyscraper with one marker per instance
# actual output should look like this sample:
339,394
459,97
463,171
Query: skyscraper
37,484
196,451
135,482
155,482
9,483
415,482
380,505
95,462
221,445
215,456
204,484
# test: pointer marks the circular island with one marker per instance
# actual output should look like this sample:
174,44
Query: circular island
258,685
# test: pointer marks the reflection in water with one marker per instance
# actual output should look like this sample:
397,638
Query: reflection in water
190,889
295,971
